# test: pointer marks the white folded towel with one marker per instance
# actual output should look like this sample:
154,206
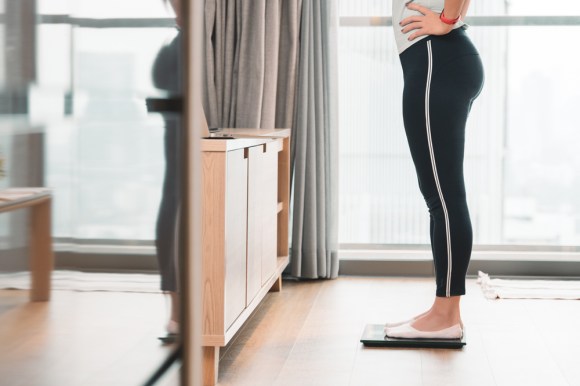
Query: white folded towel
528,289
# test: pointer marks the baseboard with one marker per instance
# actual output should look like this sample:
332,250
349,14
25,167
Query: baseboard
424,268
106,262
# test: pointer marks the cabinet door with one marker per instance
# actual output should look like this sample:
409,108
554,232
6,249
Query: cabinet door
255,223
235,234
262,215
269,206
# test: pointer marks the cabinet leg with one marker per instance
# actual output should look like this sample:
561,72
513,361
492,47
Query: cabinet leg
277,287
41,255
211,357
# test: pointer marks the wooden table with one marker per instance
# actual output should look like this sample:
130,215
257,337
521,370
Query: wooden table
39,200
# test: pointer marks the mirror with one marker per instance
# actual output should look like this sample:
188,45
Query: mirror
74,80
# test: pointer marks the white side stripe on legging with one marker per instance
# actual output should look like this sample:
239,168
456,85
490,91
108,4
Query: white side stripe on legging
432,154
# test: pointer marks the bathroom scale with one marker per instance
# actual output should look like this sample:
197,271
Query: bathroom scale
374,336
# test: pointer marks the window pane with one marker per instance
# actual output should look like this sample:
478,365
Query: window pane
543,8
521,162
542,192
54,7
104,154
119,9
379,197
108,166
365,7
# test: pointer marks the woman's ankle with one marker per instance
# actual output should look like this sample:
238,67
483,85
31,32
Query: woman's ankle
444,313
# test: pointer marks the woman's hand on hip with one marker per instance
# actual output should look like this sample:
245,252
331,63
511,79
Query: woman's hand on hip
428,23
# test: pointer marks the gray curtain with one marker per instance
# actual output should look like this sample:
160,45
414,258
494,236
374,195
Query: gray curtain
273,63
315,145
250,62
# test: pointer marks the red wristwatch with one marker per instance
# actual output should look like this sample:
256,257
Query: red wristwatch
448,21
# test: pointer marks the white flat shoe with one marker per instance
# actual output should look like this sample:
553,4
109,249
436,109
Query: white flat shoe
397,324
406,331
409,321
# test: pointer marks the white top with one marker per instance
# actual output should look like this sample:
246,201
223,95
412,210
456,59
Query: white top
400,12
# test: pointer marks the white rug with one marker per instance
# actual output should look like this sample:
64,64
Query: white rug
528,289
88,282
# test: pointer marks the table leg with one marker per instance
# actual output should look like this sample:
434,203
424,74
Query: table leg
41,254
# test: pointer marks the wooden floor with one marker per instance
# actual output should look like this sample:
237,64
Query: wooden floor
88,338
308,334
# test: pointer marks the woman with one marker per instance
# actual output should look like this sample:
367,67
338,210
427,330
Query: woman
443,74
167,76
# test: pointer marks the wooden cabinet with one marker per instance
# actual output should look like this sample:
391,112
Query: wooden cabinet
244,230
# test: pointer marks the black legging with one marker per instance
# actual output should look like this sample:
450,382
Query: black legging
167,228
443,75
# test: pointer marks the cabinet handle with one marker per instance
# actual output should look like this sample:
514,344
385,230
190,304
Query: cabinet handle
246,152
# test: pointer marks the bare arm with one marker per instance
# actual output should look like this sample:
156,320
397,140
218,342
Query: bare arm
429,23
453,8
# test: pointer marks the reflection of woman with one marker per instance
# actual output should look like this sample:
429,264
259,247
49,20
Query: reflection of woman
443,74
166,76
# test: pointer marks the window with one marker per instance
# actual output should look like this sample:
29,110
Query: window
521,162
104,151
